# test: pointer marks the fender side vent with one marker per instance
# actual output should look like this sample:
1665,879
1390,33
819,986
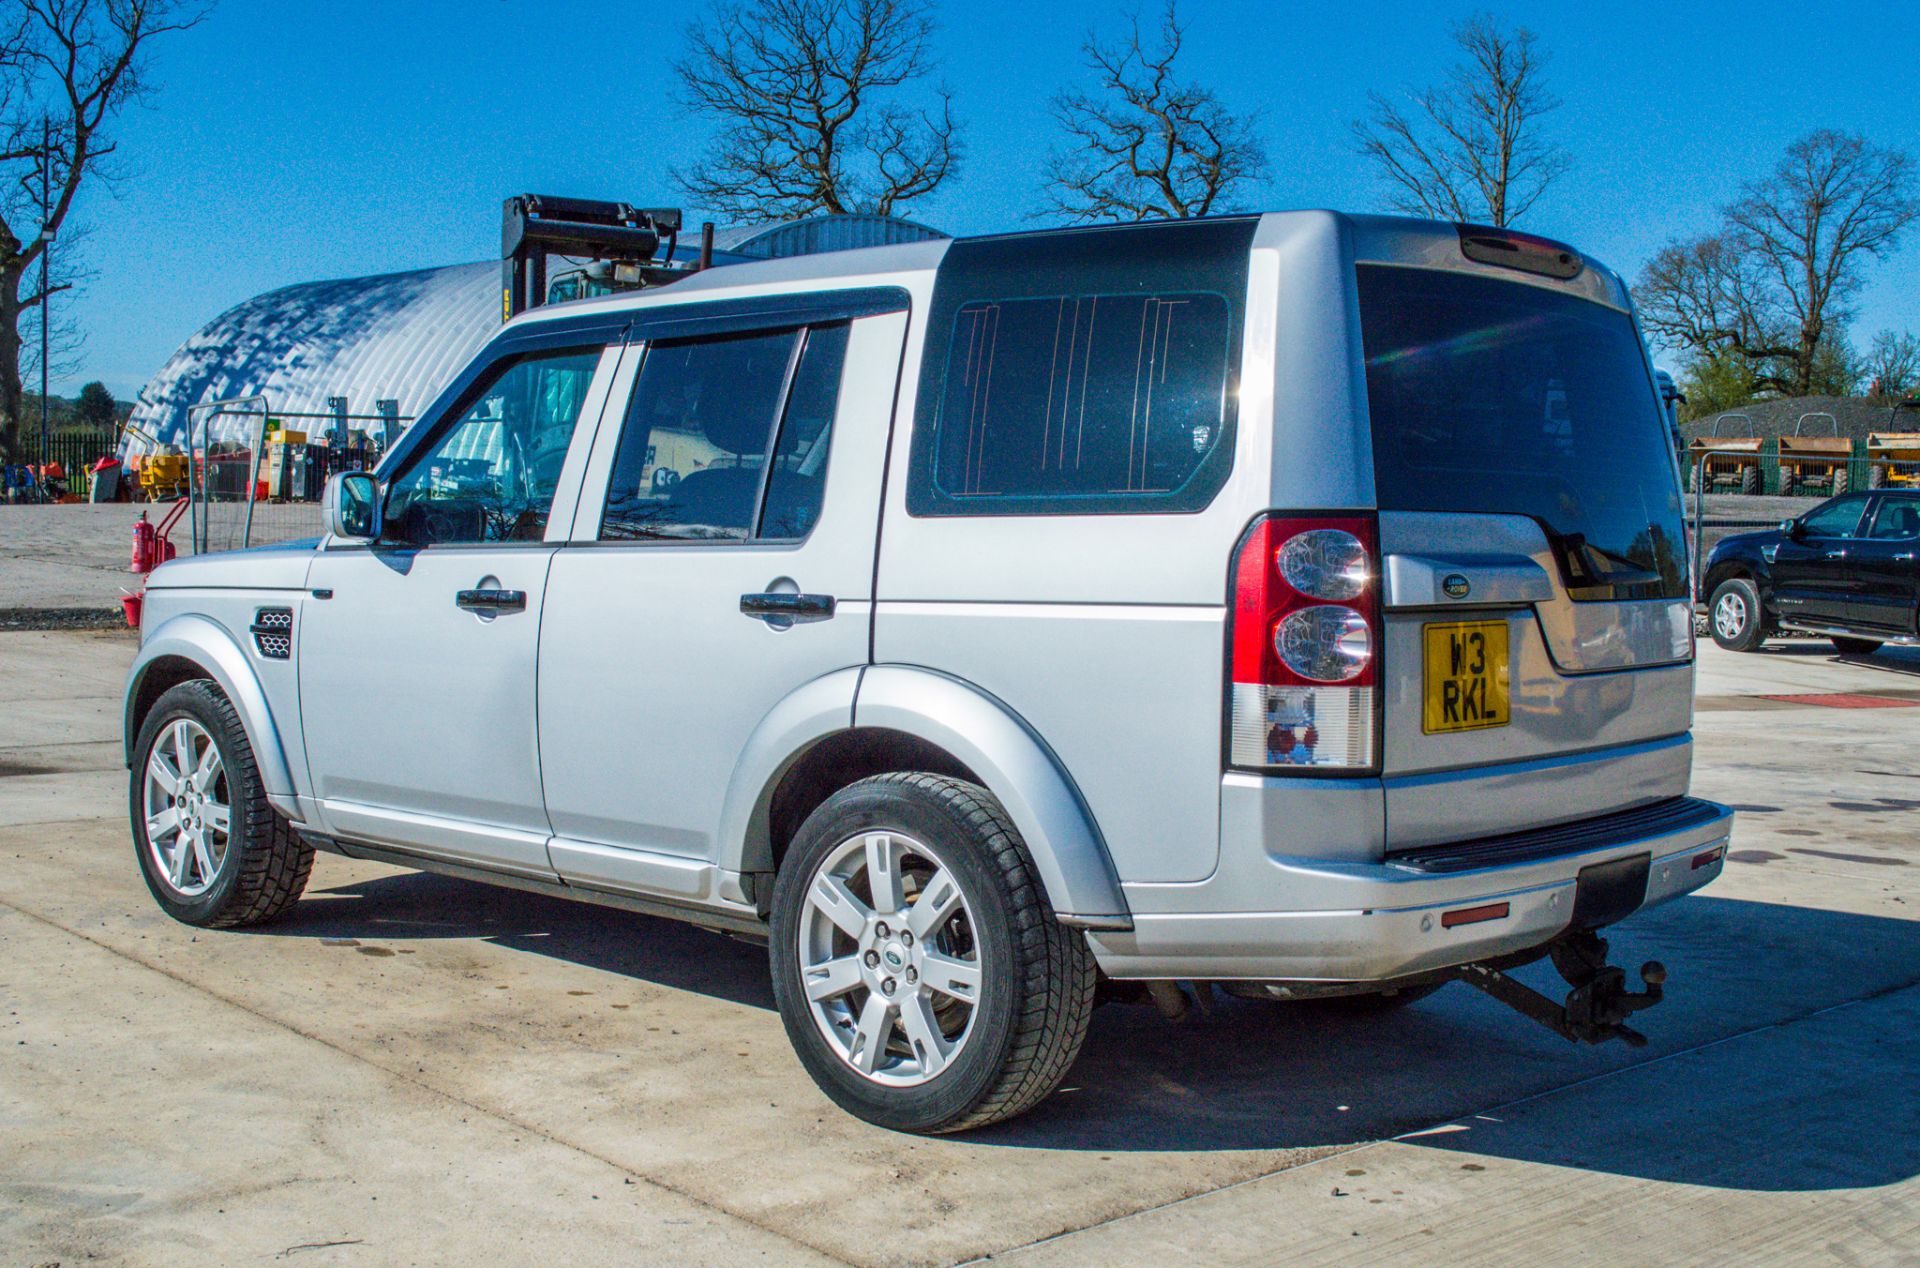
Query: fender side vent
273,633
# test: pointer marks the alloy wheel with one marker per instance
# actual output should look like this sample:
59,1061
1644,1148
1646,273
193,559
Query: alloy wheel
187,807
1730,615
888,960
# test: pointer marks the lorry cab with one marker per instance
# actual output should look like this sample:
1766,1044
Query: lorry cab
1296,602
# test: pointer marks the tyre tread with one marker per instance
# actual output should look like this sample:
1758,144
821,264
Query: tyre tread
1057,1002
274,862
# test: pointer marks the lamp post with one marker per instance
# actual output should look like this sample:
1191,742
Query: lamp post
46,296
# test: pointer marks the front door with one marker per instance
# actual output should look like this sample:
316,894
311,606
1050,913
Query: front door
418,653
1810,577
1886,575
724,559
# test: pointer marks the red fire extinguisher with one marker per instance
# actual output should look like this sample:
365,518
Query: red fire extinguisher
143,546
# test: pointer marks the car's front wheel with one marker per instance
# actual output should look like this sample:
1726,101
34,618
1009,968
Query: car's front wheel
213,852
1734,616
920,971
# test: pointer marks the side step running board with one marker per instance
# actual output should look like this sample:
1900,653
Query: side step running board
1597,1007
1891,640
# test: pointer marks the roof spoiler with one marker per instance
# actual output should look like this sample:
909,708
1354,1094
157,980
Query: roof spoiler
1527,252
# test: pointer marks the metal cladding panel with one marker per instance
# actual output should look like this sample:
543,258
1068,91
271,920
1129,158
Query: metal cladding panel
399,336
815,235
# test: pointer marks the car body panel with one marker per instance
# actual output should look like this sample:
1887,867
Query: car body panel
627,732
1864,584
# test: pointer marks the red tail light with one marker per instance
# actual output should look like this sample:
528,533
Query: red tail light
1305,660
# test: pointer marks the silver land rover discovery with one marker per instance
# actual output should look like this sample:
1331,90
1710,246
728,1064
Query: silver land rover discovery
1294,605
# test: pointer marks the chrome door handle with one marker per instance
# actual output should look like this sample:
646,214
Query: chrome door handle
492,602
1836,554
789,608
1905,557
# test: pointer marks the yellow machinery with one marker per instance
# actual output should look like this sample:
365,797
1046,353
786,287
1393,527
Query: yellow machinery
1725,464
1896,458
163,476
1815,464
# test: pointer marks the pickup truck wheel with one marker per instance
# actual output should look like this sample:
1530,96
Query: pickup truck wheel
213,852
1734,616
1856,646
917,964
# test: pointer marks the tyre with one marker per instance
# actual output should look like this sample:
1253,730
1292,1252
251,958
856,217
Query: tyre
918,967
1750,479
1842,480
1693,478
1877,477
1856,646
1734,616
214,853
1789,484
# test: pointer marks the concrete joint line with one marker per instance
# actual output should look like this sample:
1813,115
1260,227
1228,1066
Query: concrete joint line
1406,1137
517,1124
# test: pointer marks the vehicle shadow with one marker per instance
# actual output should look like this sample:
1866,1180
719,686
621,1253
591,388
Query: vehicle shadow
1767,1106
413,906
1891,660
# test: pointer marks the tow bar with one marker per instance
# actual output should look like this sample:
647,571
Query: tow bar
1597,1007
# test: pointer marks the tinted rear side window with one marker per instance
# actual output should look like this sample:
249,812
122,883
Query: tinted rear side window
1082,373
1495,397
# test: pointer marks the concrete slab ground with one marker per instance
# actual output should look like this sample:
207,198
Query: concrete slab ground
71,556
416,1069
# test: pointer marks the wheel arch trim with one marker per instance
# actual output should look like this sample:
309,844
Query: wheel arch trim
1018,768
205,643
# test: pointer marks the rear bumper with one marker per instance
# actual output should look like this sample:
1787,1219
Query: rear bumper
1357,922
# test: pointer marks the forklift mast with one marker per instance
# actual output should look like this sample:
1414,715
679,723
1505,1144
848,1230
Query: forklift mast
535,226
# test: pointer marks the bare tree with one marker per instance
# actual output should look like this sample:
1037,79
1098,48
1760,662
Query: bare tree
70,67
1893,364
1775,282
1469,148
1144,144
805,96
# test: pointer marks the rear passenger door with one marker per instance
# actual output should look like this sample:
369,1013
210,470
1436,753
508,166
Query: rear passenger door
1810,567
1885,573
722,558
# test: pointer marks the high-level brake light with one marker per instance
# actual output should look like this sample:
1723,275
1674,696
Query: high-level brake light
1305,651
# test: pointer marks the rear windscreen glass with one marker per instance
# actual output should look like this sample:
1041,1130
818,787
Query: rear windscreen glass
1492,397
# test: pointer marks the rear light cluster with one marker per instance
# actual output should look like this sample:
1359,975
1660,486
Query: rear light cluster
1306,644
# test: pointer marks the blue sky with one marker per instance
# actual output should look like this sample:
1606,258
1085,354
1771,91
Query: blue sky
289,142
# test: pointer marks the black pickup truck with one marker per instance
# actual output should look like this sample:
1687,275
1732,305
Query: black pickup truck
1849,569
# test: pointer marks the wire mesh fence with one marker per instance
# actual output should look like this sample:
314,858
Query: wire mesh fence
256,479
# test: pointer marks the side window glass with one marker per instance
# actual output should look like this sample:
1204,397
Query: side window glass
798,478
719,446
491,475
1837,519
1897,519
1095,399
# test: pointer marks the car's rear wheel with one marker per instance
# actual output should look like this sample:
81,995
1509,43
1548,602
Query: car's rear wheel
1856,646
213,852
917,964
1734,616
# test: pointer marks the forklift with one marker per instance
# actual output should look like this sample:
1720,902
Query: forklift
623,244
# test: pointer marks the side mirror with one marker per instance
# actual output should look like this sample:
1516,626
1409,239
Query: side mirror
1791,528
349,502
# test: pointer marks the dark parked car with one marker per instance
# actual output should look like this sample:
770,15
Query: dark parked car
1845,569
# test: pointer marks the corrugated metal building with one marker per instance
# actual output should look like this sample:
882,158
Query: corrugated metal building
402,336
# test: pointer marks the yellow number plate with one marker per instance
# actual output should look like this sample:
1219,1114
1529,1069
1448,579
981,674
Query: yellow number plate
1466,683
